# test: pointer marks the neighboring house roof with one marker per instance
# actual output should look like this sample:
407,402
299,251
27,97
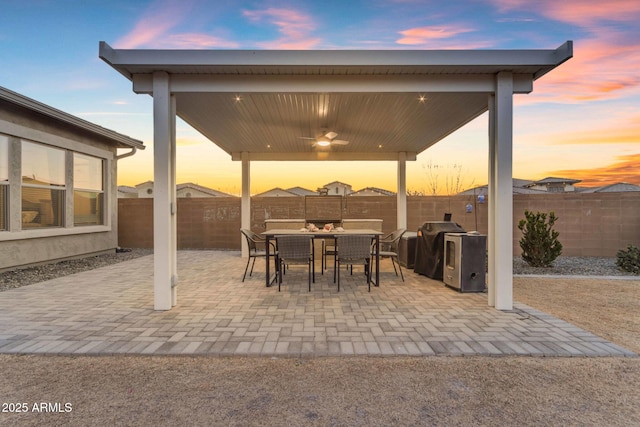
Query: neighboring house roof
521,182
205,190
483,189
555,180
186,185
525,190
127,189
300,191
277,191
520,186
612,188
372,191
122,141
337,183
142,184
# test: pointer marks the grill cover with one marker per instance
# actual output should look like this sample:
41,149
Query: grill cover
430,247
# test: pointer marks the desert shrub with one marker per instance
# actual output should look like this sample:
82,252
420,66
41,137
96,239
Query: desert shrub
629,259
539,242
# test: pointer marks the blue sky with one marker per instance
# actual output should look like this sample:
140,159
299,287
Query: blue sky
581,121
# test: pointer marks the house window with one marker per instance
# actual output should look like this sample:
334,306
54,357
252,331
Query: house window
88,190
43,186
4,182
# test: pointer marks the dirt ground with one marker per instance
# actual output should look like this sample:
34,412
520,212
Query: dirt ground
351,391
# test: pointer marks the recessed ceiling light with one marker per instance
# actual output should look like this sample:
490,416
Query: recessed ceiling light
422,98
380,146
238,98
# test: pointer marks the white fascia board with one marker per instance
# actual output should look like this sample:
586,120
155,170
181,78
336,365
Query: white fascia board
183,83
131,58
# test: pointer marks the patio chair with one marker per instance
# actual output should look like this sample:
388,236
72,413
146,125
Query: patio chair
256,244
294,249
389,249
353,250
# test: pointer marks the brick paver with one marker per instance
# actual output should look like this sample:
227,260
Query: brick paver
110,311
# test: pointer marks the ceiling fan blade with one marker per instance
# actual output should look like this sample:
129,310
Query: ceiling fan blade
306,137
330,135
339,142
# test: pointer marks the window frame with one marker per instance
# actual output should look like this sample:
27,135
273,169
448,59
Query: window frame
18,133
101,194
51,187
5,219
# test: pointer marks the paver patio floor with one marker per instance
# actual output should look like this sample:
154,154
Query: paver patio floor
110,311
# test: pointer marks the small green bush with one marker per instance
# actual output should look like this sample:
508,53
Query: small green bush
539,242
629,259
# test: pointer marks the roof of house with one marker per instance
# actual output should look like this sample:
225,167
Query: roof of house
611,188
127,189
301,191
555,180
380,191
484,189
337,182
520,186
274,190
206,190
122,141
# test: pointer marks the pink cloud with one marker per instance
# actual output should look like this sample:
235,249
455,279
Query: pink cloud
161,16
196,41
616,132
295,28
424,35
583,13
601,68
624,170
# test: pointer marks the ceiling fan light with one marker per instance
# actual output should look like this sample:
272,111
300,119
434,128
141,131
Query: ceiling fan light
323,143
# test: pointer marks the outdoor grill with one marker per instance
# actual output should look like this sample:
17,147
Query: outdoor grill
429,257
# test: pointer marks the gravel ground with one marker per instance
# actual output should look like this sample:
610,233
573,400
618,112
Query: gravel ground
580,266
40,273
587,266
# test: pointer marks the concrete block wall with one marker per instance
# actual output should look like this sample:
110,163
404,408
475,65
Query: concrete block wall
592,224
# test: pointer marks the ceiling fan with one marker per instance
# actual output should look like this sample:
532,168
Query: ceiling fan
329,138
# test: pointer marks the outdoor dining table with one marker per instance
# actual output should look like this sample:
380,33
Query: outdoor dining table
271,234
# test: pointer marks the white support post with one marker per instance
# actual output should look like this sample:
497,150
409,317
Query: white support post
245,218
401,202
491,280
174,203
162,201
503,192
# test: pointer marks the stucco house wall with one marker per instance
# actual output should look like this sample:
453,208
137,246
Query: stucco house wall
25,120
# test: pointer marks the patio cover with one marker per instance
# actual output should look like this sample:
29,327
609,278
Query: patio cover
389,105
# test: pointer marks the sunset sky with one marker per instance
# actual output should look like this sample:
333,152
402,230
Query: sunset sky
581,121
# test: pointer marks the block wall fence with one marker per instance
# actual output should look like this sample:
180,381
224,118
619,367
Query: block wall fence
592,224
